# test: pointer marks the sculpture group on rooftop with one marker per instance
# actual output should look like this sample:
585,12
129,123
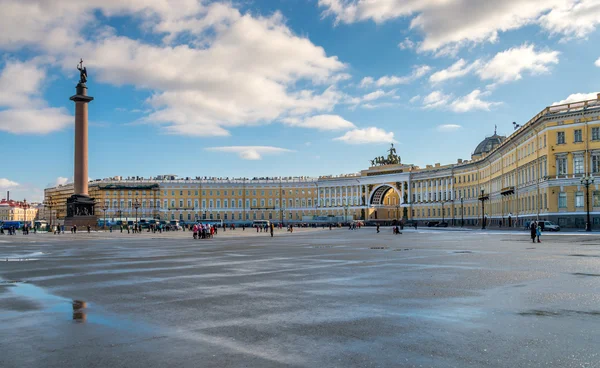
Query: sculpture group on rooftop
391,159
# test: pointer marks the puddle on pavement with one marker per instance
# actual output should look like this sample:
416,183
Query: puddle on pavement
22,257
586,274
557,313
462,252
449,315
78,311
401,250
380,248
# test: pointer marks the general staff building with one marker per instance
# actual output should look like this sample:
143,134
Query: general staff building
534,173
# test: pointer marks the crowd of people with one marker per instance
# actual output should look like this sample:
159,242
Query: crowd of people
204,231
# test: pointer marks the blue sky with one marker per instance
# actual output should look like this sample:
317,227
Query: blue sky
279,87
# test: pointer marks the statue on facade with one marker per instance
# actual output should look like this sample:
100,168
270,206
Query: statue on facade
82,72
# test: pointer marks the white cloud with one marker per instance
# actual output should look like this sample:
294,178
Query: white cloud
572,18
510,65
448,127
414,99
472,101
366,81
34,121
61,181
576,97
7,184
597,63
20,84
407,44
20,191
373,95
456,70
436,99
250,152
22,110
392,80
372,106
320,122
367,135
506,66
230,69
447,25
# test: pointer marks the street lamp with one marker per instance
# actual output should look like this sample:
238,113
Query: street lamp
346,211
104,208
587,181
483,198
443,212
136,205
49,203
462,212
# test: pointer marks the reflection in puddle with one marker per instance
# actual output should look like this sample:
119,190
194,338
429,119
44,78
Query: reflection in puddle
58,308
79,314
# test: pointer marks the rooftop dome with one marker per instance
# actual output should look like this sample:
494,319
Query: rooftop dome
488,144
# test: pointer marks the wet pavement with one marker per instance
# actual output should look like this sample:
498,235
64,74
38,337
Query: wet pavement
315,298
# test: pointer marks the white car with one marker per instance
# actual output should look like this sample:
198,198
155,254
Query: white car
549,226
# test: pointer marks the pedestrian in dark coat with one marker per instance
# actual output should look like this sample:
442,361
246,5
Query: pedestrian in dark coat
533,229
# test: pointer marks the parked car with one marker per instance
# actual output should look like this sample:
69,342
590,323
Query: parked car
432,223
546,226
442,224
549,226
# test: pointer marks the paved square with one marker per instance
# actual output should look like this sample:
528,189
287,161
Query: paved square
315,298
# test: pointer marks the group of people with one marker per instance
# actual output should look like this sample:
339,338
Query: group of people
204,231
11,230
536,231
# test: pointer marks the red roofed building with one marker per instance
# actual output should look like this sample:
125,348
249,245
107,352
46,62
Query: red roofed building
17,211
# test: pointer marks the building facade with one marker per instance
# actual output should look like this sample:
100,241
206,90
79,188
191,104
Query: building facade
17,211
535,173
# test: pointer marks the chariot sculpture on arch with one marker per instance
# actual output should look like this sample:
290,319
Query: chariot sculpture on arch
391,159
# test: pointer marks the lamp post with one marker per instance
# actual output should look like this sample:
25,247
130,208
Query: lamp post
136,205
443,218
462,212
49,203
587,181
104,208
483,198
346,212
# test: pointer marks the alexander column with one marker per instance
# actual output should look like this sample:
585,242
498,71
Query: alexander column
80,206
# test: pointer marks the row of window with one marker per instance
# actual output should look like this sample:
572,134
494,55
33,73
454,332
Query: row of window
577,136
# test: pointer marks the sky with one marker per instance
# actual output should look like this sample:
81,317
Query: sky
278,87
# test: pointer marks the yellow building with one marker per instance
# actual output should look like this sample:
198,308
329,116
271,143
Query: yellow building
535,173
17,211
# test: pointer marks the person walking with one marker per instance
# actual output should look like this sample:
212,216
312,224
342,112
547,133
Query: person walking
538,232
272,228
377,228
533,231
